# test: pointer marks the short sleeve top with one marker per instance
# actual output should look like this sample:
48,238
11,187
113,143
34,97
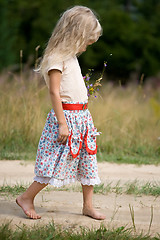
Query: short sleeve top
72,85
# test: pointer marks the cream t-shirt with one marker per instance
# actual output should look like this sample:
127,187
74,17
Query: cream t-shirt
72,85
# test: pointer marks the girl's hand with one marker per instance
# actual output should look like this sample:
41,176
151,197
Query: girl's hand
63,133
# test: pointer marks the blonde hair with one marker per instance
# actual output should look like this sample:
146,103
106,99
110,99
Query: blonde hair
76,27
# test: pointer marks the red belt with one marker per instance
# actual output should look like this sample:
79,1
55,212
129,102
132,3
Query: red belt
68,106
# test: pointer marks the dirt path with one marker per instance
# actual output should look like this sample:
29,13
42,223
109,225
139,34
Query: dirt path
65,207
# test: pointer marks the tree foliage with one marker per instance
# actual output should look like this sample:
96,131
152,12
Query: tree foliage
131,32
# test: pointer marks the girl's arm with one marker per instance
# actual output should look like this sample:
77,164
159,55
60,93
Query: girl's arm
54,87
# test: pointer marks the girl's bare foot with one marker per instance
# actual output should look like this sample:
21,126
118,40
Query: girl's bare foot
91,212
27,207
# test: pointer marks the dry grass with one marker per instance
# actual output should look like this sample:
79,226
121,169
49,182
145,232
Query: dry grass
129,118
23,104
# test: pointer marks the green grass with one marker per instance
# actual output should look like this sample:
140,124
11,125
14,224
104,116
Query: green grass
13,190
133,187
149,188
49,232
29,153
125,158
18,154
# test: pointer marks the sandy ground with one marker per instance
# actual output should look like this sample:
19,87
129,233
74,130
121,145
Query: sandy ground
65,207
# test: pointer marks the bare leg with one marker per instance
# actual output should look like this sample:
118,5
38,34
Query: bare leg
88,209
25,201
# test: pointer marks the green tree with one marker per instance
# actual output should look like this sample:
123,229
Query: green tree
131,32
8,31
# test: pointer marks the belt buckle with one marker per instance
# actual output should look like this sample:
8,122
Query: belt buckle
84,106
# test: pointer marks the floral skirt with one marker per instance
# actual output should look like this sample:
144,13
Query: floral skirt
59,164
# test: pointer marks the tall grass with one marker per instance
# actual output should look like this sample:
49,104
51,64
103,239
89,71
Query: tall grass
22,109
129,118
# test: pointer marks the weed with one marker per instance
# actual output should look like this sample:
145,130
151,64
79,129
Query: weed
49,232
134,187
13,190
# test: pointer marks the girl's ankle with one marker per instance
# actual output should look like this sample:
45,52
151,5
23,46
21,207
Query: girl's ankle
87,206
25,197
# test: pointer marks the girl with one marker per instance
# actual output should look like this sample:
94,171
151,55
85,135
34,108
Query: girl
67,147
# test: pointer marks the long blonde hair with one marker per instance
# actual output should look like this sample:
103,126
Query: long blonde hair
77,26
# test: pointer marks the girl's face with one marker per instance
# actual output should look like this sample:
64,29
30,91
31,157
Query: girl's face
83,49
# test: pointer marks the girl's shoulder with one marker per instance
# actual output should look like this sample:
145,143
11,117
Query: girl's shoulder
71,59
72,63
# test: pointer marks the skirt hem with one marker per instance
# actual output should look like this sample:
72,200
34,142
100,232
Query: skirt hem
61,182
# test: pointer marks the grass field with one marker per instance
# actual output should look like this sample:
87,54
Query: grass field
129,119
